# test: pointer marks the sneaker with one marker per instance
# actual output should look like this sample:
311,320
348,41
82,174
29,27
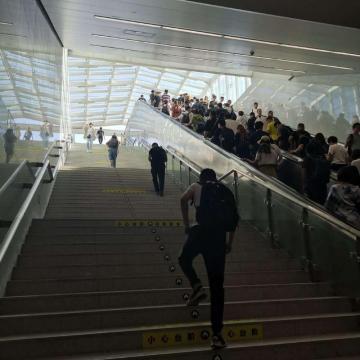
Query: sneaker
161,193
218,342
198,295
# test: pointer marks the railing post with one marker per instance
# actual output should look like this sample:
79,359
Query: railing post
236,190
180,173
307,247
189,176
269,206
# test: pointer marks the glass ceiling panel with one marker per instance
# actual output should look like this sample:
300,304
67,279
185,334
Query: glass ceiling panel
120,85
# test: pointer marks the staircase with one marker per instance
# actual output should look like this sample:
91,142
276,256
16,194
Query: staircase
98,279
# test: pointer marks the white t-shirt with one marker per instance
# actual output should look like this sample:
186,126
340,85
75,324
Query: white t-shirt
195,188
338,153
264,159
356,163
232,124
242,120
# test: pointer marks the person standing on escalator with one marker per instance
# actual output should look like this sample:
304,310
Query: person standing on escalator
158,160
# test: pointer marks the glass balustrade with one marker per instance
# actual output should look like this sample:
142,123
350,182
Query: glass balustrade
324,246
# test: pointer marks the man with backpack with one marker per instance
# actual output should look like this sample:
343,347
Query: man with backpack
216,215
158,160
317,173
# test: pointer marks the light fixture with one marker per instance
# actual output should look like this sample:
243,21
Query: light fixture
16,35
203,60
191,31
228,37
272,43
123,21
222,52
288,70
6,23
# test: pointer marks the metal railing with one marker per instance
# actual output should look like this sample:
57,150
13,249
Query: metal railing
264,180
14,175
323,243
34,206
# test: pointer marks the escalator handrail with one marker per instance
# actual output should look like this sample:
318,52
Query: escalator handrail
270,183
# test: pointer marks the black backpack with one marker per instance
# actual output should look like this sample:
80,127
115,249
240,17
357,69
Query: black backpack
185,119
322,170
217,208
227,138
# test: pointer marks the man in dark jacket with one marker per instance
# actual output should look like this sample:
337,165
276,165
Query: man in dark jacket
158,160
255,138
224,137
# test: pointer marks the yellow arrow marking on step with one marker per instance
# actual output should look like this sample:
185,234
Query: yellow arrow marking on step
124,191
148,223
201,336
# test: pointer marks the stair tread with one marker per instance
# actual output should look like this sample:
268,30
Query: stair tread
179,326
99,293
176,306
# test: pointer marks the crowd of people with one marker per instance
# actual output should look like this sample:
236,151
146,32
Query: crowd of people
261,140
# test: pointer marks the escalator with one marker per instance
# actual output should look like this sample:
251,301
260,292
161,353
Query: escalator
327,247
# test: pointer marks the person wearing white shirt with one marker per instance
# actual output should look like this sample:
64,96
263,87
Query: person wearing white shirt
90,137
242,119
337,154
261,118
255,108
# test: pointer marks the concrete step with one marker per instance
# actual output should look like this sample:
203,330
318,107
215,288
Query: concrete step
150,297
61,272
144,281
161,315
31,257
105,237
299,348
310,336
114,229
66,223
111,244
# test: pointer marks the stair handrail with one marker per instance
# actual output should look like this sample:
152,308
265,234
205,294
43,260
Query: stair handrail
12,178
6,266
34,205
272,184
7,240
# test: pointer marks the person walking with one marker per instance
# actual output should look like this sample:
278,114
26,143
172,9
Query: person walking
28,136
90,137
353,140
113,150
158,160
9,144
216,215
100,135
45,134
